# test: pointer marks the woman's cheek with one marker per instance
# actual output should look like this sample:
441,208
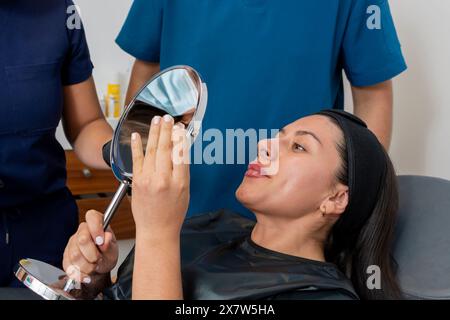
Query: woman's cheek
304,186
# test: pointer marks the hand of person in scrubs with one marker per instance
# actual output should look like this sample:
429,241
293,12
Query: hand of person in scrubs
91,253
160,178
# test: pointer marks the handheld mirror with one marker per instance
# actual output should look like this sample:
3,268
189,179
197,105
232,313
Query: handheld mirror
178,91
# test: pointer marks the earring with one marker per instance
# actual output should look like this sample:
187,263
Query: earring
324,212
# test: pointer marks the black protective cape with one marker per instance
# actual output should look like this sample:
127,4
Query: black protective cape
219,261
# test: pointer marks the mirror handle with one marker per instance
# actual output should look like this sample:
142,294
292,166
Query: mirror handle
115,203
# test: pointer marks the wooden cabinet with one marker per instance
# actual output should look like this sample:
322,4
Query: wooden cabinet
94,189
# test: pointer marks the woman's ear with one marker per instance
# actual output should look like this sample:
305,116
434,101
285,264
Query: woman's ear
336,203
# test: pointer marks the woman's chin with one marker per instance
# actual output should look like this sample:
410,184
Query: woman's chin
248,195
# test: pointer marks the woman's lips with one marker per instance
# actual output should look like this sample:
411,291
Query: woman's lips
254,171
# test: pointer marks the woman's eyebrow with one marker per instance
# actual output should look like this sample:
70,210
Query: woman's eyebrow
302,133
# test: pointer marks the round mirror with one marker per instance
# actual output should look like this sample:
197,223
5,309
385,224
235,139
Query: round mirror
177,91
44,279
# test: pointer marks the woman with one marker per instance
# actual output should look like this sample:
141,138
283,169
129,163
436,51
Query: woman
327,213
45,77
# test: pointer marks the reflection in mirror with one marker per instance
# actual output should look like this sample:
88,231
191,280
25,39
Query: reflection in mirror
175,92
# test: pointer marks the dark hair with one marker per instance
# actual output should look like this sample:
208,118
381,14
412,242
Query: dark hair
142,111
372,244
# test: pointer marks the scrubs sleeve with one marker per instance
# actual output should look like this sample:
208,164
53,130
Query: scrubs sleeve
141,34
371,50
77,65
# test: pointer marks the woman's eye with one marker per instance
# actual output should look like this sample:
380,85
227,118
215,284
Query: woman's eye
298,147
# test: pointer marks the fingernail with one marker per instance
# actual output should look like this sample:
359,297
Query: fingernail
167,118
87,280
156,120
179,125
134,136
99,240
97,268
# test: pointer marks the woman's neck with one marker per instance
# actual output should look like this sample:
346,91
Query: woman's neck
293,237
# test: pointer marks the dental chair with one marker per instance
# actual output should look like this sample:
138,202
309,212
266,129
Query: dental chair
422,238
421,246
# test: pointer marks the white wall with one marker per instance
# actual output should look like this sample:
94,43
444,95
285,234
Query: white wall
421,142
422,94
102,20
422,135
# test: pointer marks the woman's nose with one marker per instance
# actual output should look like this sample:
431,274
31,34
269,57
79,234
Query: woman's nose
266,151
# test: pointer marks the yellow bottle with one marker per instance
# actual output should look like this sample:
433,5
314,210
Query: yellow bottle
113,99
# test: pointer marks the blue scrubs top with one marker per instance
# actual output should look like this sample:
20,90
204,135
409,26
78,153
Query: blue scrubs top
39,55
266,63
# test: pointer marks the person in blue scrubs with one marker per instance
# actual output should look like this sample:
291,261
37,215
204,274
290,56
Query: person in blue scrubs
45,76
267,63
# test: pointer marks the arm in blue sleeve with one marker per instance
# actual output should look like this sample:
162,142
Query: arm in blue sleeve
141,34
371,50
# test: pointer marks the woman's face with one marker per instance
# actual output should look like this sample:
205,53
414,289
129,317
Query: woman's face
307,160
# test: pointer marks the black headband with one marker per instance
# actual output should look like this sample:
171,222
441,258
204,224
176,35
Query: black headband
367,167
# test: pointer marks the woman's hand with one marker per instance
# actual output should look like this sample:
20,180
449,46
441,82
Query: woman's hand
91,253
159,203
160,179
